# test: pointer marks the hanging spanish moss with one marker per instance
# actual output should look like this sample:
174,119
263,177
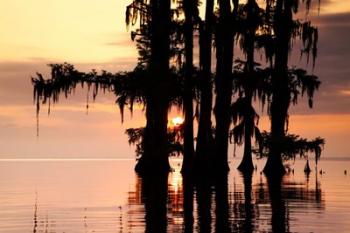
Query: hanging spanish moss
165,34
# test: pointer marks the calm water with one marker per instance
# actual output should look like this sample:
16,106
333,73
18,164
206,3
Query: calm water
107,196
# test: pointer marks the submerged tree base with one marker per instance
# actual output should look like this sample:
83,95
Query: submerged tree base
221,169
202,164
246,166
187,169
149,167
274,166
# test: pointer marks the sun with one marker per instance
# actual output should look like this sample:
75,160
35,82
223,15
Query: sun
176,121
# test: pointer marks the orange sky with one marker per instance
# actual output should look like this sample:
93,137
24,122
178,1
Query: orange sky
93,35
79,31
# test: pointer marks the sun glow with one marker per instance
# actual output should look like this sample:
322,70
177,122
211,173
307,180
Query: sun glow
177,121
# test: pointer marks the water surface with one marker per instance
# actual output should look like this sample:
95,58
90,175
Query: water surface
107,196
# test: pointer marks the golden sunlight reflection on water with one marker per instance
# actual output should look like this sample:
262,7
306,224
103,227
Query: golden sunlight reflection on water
106,196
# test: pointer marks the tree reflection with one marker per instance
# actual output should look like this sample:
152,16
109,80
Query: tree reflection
222,205
248,205
154,197
287,196
204,202
188,195
279,218
242,202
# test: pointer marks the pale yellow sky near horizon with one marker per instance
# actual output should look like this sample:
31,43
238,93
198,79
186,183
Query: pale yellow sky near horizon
78,31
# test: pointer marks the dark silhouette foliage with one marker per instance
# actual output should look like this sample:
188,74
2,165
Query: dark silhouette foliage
166,33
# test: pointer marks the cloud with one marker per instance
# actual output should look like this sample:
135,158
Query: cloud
345,92
333,20
332,65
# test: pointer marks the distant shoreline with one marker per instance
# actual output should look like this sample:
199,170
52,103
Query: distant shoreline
126,159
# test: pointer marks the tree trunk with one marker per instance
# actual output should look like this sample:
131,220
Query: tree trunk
246,165
188,91
205,137
223,81
155,144
281,93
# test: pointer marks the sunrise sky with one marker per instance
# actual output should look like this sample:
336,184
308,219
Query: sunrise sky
91,35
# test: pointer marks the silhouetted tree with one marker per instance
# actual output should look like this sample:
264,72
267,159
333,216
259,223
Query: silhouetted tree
205,139
165,33
249,24
285,29
291,146
155,19
223,81
190,8
283,24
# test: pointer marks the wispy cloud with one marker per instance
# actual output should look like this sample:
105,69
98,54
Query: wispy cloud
345,92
